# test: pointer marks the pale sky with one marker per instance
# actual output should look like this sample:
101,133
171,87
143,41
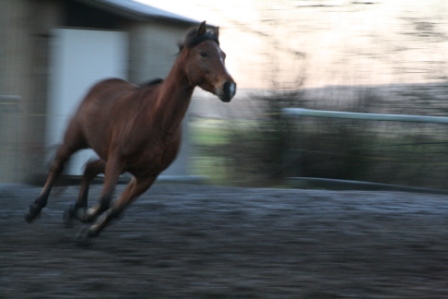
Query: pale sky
328,42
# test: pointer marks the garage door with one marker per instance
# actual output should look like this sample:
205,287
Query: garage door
79,58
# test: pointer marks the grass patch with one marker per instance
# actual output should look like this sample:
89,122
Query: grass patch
248,153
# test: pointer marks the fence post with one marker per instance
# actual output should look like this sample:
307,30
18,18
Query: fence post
291,160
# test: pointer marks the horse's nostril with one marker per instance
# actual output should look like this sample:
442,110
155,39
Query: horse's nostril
229,89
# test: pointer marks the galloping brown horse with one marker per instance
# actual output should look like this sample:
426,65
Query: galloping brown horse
136,129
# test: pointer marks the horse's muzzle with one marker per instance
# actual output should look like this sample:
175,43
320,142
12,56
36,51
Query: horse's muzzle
228,91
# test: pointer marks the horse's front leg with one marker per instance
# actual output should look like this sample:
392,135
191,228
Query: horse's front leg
113,169
92,169
134,189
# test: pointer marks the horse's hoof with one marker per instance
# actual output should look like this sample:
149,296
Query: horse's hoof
120,216
33,212
82,215
68,216
84,238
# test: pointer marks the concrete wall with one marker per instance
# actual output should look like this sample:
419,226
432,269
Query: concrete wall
23,74
12,74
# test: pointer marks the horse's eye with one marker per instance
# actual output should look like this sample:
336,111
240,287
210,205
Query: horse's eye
203,54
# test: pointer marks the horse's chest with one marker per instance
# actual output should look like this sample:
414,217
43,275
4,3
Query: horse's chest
154,157
164,153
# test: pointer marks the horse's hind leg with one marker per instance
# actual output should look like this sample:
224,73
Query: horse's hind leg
92,169
73,141
62,155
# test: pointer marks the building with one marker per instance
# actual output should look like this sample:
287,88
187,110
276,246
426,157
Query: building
52,51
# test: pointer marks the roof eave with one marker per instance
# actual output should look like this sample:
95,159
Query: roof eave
142,14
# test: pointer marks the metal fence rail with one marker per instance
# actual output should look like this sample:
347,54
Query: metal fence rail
365,116
302,149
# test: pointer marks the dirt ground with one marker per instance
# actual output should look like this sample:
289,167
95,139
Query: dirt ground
196,241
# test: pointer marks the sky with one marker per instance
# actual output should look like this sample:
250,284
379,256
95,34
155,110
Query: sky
285,43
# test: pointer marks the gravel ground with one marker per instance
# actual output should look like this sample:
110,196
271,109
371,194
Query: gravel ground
197,241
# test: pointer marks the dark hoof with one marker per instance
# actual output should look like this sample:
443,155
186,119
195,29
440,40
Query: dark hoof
68,216
120,216
33,212
84,238
82,215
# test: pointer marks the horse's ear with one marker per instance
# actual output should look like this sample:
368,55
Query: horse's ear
180,46
217,32
202,29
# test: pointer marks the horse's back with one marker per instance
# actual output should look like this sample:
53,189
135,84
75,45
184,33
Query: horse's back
109,89
113,82
104,97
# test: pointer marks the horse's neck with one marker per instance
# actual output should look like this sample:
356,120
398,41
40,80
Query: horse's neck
173,99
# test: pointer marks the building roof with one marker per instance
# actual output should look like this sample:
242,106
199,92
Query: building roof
138,11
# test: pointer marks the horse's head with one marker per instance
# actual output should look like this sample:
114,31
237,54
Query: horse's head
205,62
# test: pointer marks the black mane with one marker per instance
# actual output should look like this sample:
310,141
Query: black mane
192,39
151,82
